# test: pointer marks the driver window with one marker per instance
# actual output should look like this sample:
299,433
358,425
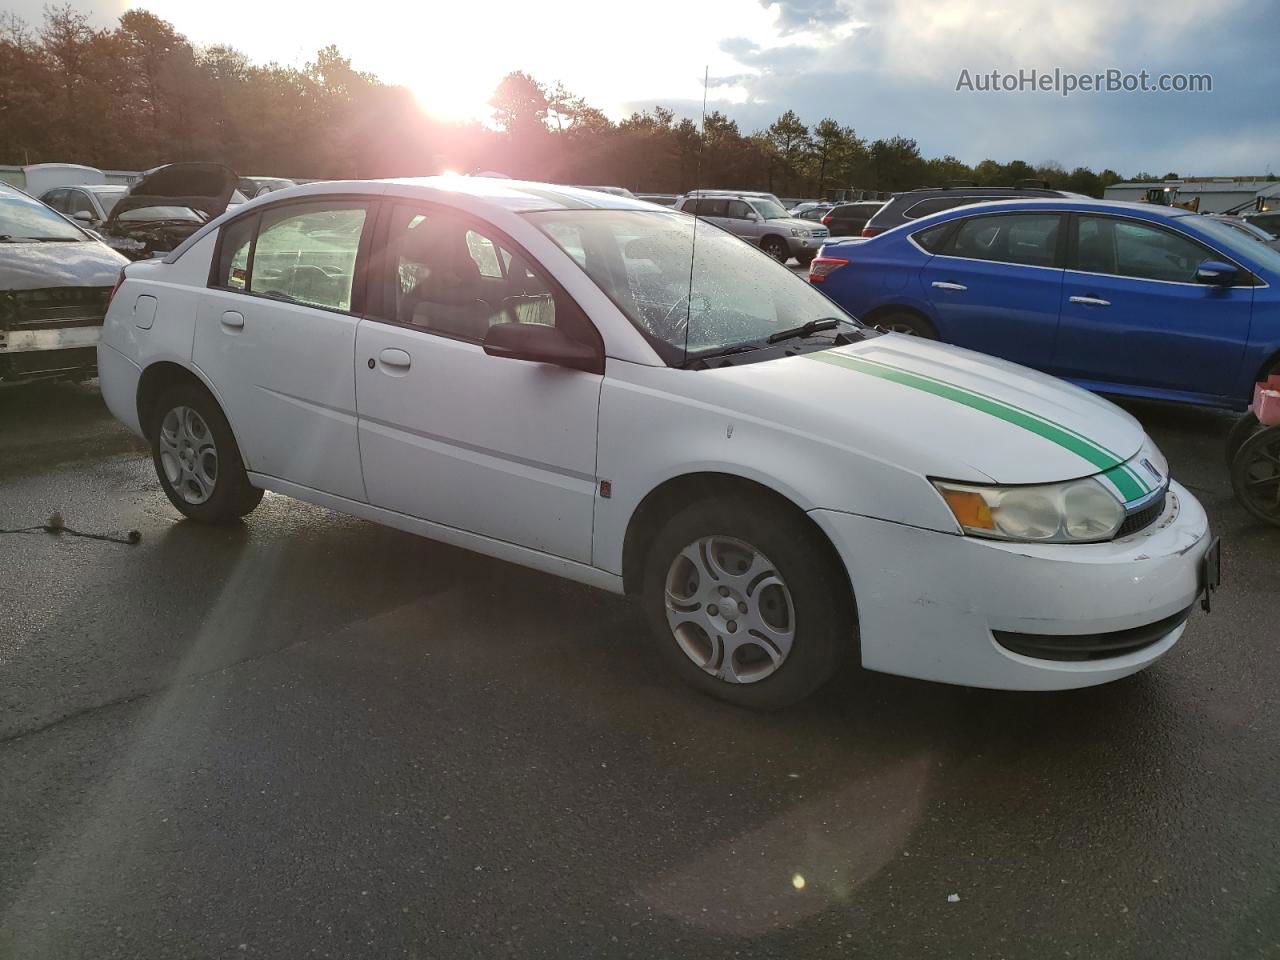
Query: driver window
306,252
79,203
738,210
1148,253
450,277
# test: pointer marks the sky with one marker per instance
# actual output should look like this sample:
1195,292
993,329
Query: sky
884,67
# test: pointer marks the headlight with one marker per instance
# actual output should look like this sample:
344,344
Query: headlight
1078,511
797,232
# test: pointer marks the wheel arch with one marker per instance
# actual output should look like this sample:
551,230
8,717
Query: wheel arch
872,316
679,491
162,374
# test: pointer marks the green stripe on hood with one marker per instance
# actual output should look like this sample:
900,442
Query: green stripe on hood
1125,480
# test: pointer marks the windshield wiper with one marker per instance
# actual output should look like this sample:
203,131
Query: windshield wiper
806,329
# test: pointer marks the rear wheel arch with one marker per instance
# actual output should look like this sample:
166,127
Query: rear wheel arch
159,377
677,493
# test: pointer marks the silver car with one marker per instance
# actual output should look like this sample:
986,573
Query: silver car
762,222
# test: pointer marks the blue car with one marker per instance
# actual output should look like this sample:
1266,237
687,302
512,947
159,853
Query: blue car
1122,298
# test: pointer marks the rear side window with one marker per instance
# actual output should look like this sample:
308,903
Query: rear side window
934,238
717,207
938,204
1028,239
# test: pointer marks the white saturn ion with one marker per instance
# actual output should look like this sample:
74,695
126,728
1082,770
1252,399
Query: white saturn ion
622,395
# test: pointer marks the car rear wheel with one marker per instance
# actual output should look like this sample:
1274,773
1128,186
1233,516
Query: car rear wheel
196,457
776,247
1240,431
911,324
747,603
804,259
1255,475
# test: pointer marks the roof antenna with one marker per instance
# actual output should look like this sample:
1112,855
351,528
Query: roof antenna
693,246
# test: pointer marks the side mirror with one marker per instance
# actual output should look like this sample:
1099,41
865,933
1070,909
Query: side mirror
1216,273
752,216
539,343
83,216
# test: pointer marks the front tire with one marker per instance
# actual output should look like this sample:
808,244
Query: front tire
747,602
1255,475
777,248
196,457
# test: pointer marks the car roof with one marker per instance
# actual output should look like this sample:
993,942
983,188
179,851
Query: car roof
514,195
99,187
1150,211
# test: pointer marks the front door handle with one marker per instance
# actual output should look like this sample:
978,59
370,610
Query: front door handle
943,285
1091,301
233,320
395,358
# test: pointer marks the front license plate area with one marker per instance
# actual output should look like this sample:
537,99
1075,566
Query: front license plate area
1210,573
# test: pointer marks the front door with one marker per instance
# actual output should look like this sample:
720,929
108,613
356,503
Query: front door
276,337
1133,313
498,447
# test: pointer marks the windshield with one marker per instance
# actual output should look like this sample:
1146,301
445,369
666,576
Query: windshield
22,218
144,214
1238,244
109,198
770,210
732,295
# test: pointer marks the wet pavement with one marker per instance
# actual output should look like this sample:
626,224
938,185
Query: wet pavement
311,736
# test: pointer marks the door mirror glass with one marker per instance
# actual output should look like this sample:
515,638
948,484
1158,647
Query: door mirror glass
1217,273
538,343
83,216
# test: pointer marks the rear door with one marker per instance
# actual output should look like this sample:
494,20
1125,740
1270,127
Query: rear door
1133,313
275,335
996,285
497,447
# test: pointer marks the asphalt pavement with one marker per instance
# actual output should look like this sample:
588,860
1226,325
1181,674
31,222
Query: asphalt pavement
309,736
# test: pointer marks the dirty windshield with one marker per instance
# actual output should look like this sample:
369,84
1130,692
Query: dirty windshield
691,297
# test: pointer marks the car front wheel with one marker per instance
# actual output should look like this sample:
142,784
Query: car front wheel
776,247
747,603
196,457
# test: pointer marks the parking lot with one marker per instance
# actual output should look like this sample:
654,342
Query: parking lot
312,736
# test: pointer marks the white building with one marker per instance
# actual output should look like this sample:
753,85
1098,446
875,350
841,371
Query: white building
1217,194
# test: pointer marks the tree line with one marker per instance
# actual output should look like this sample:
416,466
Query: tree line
141,94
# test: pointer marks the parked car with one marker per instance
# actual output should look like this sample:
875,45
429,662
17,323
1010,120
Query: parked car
256,186
914,204
1131,299
761,222
808,207
848,219
55,280
166,205
90,203
1243,226
753,194
613,191
662,199
626,397
1268,221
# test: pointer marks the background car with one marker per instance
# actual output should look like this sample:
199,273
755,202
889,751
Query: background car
1241,225
55,281
256,186
662,199
166,205
914,204
1121,298
89,204
753,194
1268,221
848,219
759,221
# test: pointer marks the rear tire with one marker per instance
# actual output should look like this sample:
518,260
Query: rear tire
1240,431
196,457
805,259
905,322
747,603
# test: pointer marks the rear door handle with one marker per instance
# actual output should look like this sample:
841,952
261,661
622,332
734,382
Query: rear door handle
233,320
943,285
396,358
1091,301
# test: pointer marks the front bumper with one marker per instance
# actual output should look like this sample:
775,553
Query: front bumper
930,603
799,245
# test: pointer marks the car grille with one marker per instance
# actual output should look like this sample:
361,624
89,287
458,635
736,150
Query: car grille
1090,646
820,232
1143,518
53,307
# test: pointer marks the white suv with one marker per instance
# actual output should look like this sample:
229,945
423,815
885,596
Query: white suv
761,221
568,380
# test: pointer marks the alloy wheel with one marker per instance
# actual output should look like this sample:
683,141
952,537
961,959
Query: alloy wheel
188,454
729,609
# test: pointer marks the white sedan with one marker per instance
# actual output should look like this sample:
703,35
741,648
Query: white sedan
577,382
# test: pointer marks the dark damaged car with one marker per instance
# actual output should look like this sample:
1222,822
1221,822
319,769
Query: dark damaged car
55,282
166,205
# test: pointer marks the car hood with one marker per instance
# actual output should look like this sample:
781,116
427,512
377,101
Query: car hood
794,222
36,266
946,412
207,187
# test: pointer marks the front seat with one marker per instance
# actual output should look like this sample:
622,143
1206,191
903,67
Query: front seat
450,296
